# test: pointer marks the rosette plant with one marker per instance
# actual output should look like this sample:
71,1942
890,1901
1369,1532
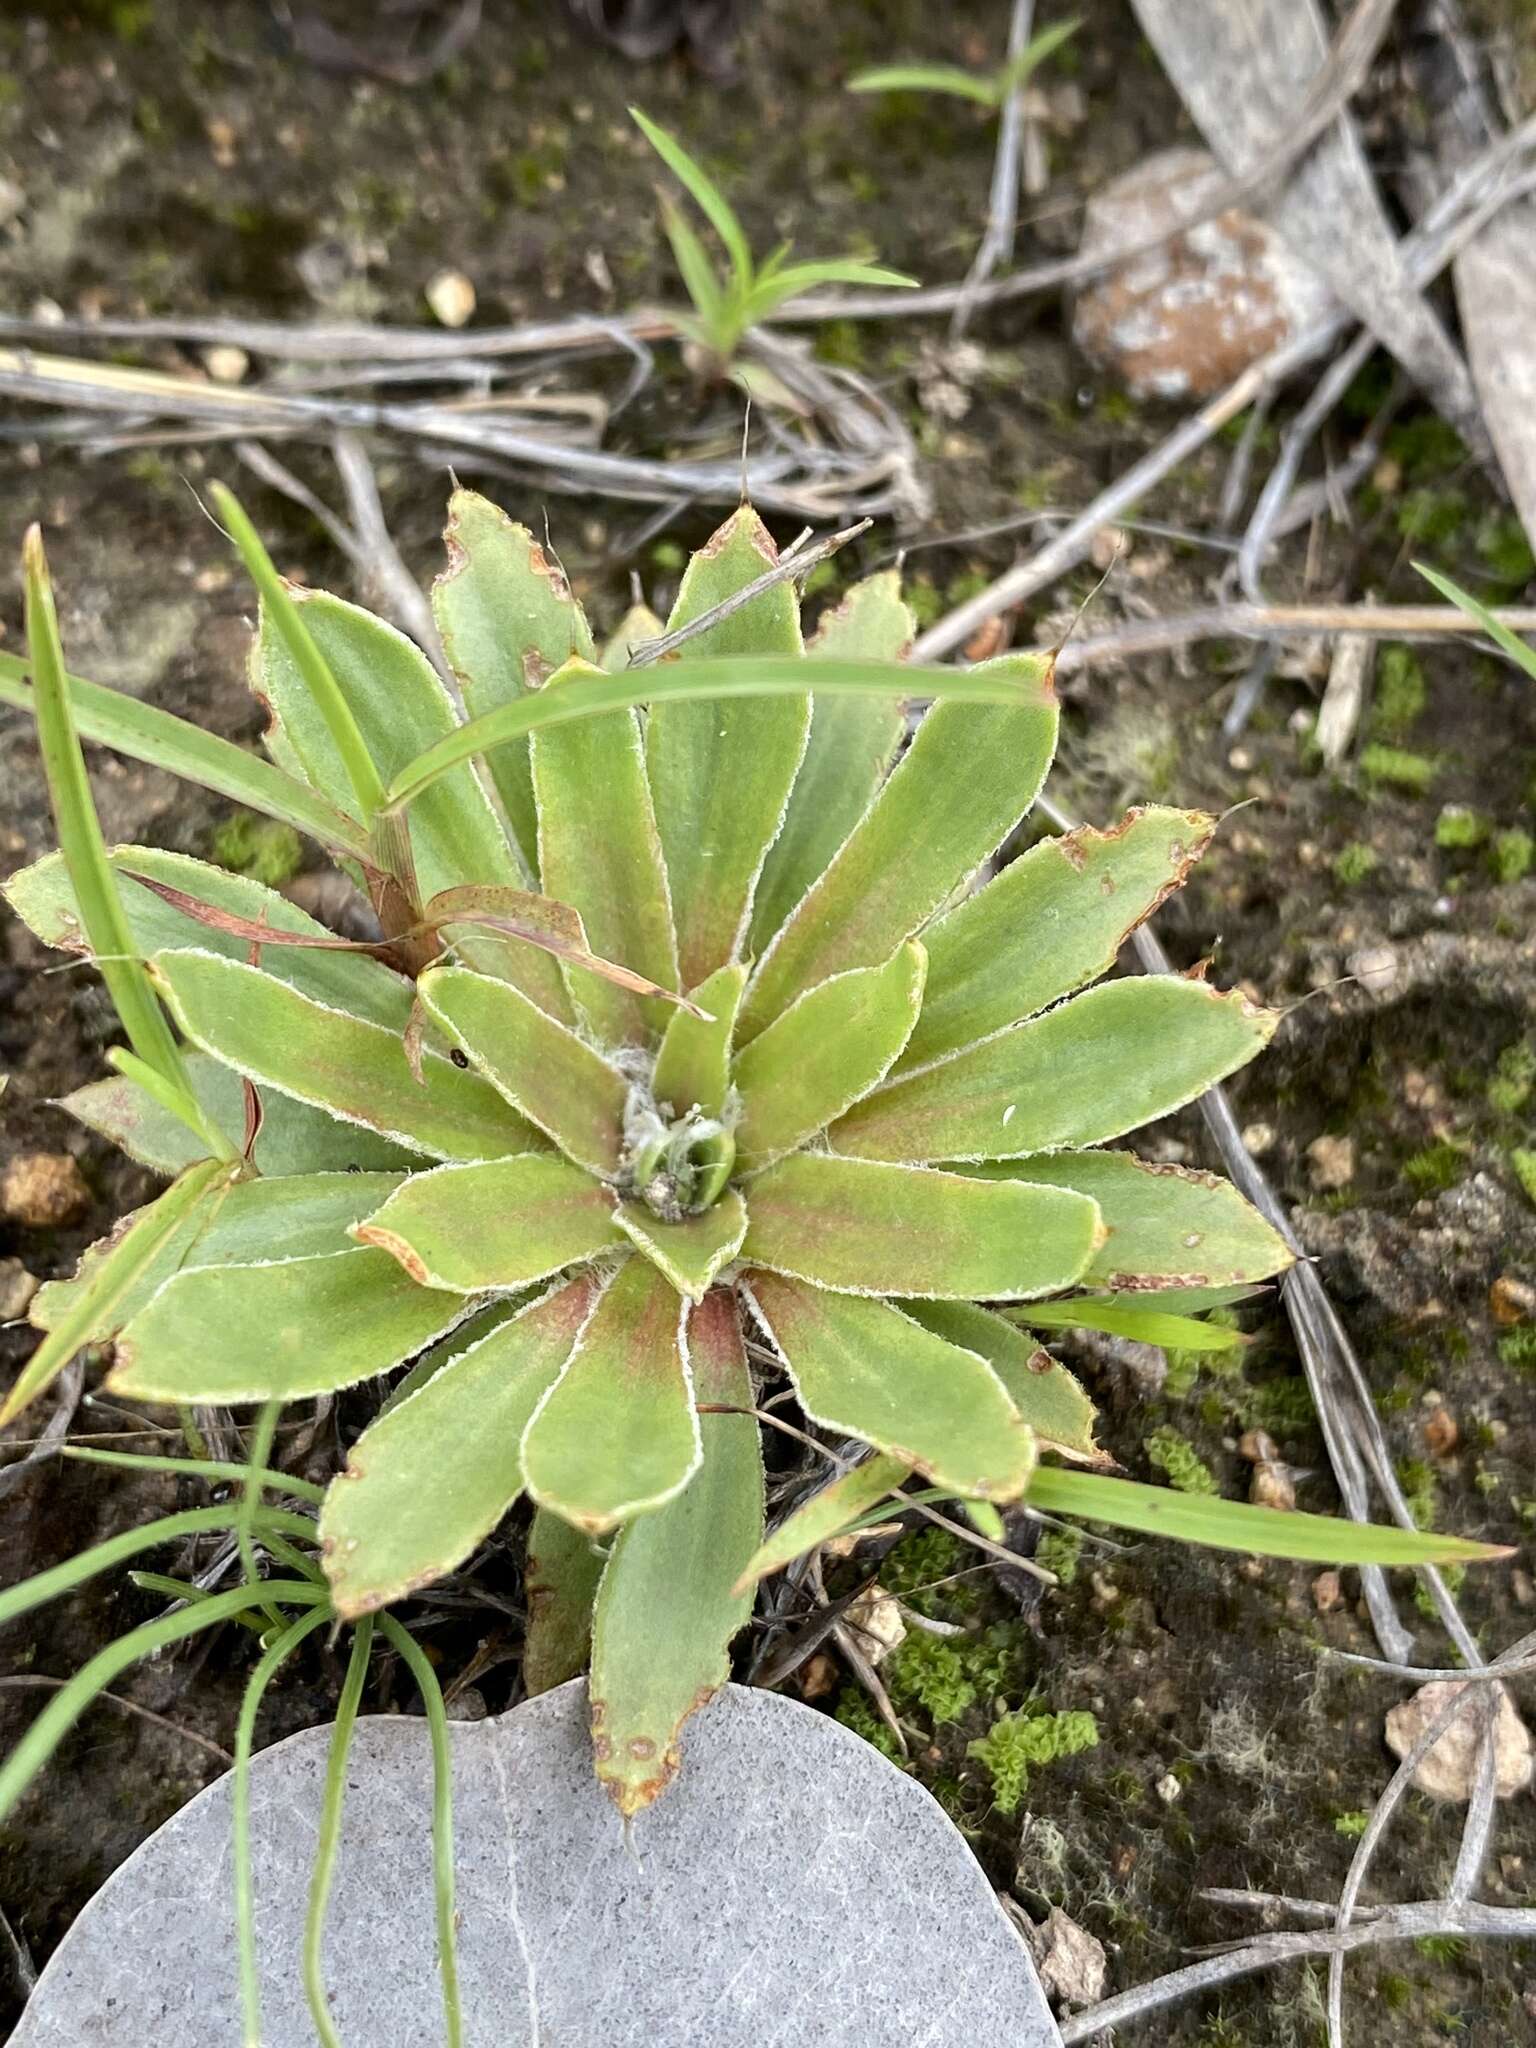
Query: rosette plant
687,1058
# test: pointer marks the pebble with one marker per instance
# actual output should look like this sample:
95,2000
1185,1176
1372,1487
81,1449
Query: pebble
1073,1965
1331,1163
1327,1592
1181,320
1259,1139
1375,968
876,1622
17,1287
1168,1789
451,297
225,363
1447,1772
1511,1300
1442,1433
41,1190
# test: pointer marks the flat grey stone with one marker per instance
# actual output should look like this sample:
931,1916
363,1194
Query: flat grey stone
792,1888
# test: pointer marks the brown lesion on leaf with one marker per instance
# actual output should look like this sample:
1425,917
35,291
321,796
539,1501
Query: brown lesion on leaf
387,1241
537,668
748,523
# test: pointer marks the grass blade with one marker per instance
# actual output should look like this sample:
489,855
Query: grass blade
101,1557
1518,650
102,1671
329,1841
302,651
1234,1525
85,853
588,696
245,1735
412,1656
144,733
982,87
711,201
218,1471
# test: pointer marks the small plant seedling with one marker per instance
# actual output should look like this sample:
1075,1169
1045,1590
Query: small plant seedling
730,297
682,1068
987,88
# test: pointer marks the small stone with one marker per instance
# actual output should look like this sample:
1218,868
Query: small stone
1327,1592
1511,1300
1448,1771
451,297
1168,1789
1073,1965
1185,317
1331,1163
221,140
1442,1433
225,363
876,1622
1259,1139
818,1676
17,1287
1272,1487
1106,547
41,1190
1375,968
1105,1592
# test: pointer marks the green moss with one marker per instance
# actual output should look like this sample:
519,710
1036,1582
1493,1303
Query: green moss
1397,769
1060,1551
1395,1992
1022,1742
1514,1076
1502,545
1352,863
262,848
1459,828
926,603
1511,855
1436,1168
1401,693
670,556
1524,1167
1351,1825
1441,1948
1176,1457
840,342
920,1572
1419,1490
1425,447
1431,518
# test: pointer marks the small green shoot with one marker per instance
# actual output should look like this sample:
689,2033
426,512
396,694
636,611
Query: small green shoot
987,88
729,299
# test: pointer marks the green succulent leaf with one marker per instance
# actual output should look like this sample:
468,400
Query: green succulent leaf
1100,1065
237,1223
357,1071
617,1435
1133,1316
293,1138
560,1582
829,1048
43,898
494,1223
1050,923
693,1067
667,1606
853,741
428,1482
1169,1226
1234,1525
721,774
400,707
826,1514
508,621
284,1331
870,1228
599,851
549,1074
638,625
963,784
1046,1395
111,1275
693,1252
145,733
863,1367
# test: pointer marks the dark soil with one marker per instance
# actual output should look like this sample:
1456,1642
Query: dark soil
176,156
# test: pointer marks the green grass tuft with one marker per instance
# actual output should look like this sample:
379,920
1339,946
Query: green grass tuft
1436,1168
1401,693
1395,768
1353,863
1511,855
1459,828
1524,1165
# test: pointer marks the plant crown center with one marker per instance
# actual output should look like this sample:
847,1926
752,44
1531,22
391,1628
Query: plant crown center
676,1165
